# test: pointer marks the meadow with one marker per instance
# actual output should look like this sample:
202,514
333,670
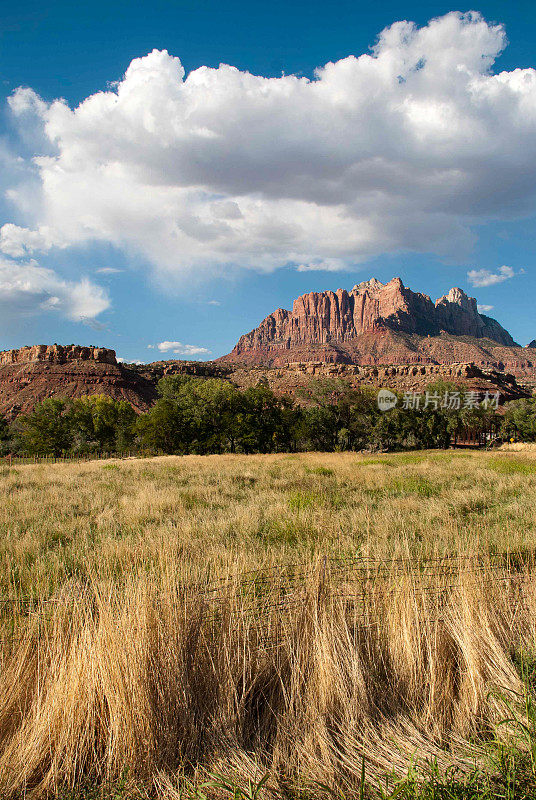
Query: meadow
305,625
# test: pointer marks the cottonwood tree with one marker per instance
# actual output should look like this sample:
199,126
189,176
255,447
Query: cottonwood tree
48,429
102,423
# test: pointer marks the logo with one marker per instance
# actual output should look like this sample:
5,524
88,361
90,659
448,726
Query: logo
386,400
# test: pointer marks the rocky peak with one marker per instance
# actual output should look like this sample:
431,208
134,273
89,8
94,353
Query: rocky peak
457,297
322,318
458,314
372,286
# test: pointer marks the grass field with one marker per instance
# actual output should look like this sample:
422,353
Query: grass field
293,625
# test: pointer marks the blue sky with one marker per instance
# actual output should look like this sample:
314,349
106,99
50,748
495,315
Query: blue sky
184,210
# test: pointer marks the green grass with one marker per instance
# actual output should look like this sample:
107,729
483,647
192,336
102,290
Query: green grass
413,485
325,471
427,782
512,466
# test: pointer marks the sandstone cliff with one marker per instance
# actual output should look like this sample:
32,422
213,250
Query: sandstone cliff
322,318
31,374
374,325
297,378
57,354
381,324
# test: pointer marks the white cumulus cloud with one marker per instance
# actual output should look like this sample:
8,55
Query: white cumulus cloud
27,288
18,242
483,277
180,349
405,148
483,308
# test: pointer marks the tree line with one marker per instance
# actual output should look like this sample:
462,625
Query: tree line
197,415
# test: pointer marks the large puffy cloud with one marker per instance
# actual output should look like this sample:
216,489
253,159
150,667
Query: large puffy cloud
404,148
27,288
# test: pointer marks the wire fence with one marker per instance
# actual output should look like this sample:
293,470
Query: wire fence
354,579
14,459
25,458
266,602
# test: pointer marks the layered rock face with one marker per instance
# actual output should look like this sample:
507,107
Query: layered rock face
383,324
57,354
31,374
321,318
297,378
373,325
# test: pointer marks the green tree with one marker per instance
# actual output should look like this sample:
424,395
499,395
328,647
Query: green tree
5,435
209,415
266,422
101,423
319,428
48,429
125,427
160,429
449,413
520,419
341,416
397,429
192,415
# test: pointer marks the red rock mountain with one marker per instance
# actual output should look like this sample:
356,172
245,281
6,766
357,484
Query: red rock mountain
374,325
322,317
378,323
31,374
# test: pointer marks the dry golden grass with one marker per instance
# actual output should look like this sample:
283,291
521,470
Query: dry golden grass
204,514
208,614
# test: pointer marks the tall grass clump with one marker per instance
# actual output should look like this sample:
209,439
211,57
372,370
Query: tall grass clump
286,686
